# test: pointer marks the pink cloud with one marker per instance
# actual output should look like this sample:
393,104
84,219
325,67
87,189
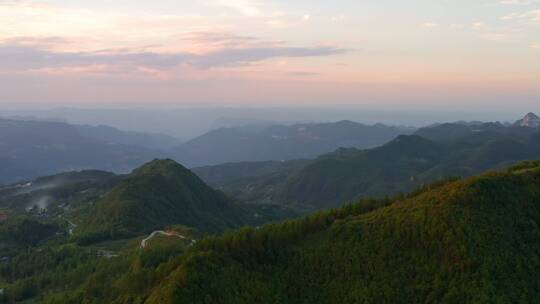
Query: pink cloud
35,54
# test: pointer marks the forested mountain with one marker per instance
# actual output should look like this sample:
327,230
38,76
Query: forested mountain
278,143
55,231
348,174
406,162
99,205
472,240
94,236
29,149
156,195
246,170
469,241
22,231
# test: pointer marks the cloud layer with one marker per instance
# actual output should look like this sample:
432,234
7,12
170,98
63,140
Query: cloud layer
32,54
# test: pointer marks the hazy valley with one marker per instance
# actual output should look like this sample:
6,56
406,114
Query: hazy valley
162,220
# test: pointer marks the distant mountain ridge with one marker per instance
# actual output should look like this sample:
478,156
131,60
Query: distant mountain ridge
32,148
112,135
279,143
29,149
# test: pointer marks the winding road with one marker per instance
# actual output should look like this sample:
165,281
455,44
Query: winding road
155,233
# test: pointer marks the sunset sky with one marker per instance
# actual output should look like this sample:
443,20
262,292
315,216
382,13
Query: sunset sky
440,53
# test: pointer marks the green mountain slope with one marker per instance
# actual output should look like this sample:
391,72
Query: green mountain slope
154,196
398,166
467,241
233,172
19,230
348,174
457,241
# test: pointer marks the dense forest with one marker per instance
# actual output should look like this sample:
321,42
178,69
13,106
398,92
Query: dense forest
158,194
472,240
466,241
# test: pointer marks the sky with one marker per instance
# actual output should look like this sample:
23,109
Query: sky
437,54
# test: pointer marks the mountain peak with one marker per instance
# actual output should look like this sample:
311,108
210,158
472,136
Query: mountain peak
532,115
161,162
160,193
159,166
530,120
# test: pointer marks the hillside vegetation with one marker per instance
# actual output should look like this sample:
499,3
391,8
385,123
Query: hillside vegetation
473,240
467,241
156,195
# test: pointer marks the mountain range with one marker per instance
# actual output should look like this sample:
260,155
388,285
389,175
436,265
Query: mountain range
33,148
415,221
278,143
407,162
29,149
